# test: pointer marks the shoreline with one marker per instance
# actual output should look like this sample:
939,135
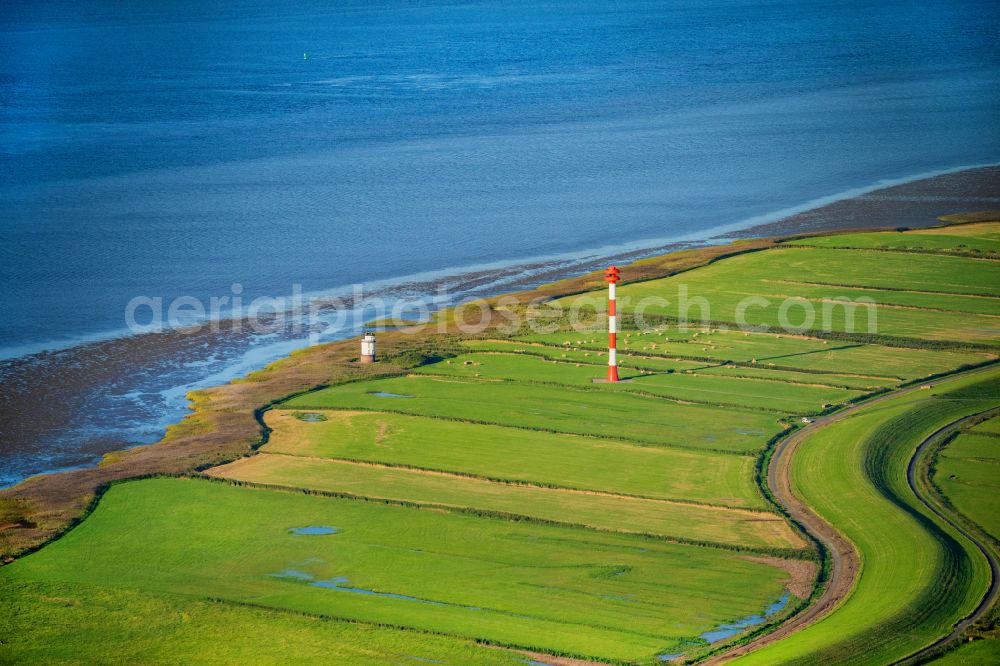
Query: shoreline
65,382
506,271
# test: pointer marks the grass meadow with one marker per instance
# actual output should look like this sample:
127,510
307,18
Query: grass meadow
972,239
990,427
55,622
593,355
775,351
968,474
535,586
518,454
592,411
660,518
778,396
591,352
930,297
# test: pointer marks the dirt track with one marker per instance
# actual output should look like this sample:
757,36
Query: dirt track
843,558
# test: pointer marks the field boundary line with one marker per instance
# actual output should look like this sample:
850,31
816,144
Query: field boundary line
582,388
806,283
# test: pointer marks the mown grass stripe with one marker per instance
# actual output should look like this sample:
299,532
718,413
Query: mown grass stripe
786,553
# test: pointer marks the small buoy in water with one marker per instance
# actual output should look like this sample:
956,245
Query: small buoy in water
305,56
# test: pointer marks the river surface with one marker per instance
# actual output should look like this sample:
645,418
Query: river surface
176,149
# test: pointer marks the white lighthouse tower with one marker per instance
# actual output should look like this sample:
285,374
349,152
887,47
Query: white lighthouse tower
368,347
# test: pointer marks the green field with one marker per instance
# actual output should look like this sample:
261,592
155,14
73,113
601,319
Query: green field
853,382
498,497
648,362
671,520
518,584
972,654
713,390
55,622
592,411
593,355
917,575
991,427
979,238
968,474
524,368
930,297
517,454
776,350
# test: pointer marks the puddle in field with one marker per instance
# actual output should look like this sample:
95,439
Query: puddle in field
340,584
314,529
730,629
311,417
292,573
386,394
424,659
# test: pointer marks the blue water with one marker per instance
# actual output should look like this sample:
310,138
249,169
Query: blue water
293,574
170,149
730,629
340,583
315,529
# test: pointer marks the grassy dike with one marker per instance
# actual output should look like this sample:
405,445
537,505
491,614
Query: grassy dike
478,498
917,575
962,473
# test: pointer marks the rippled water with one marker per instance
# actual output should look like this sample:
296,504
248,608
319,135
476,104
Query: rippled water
174,149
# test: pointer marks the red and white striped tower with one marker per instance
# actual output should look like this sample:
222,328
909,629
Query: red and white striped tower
611,276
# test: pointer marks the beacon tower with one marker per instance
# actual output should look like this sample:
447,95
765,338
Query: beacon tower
611,276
